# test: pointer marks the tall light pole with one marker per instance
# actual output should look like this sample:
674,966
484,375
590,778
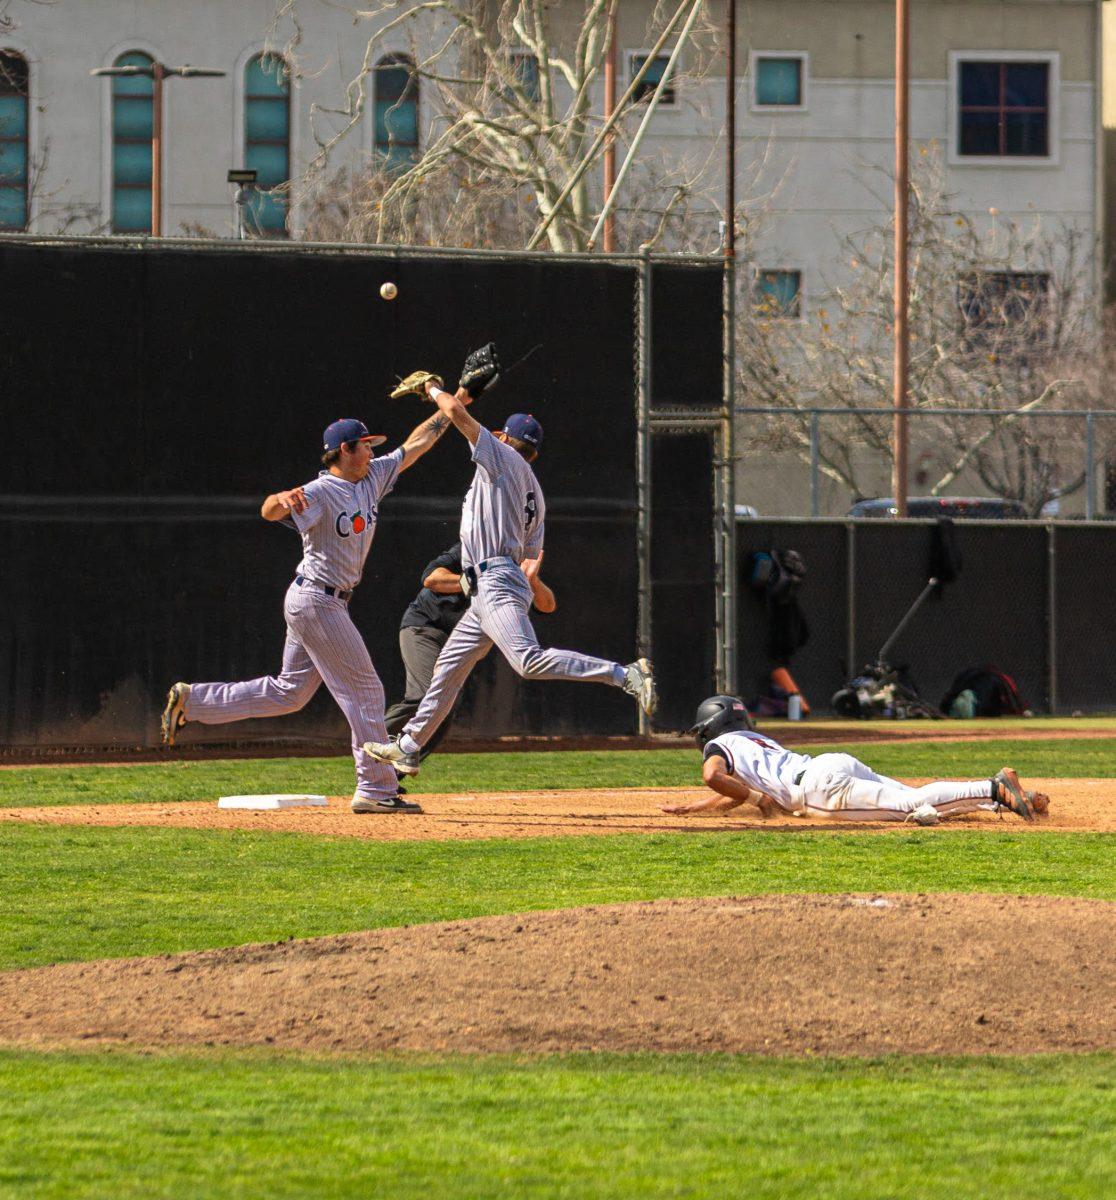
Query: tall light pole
899,436
157,72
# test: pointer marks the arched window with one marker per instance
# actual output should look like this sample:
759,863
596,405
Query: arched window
267,140
13,140
132,112
396,140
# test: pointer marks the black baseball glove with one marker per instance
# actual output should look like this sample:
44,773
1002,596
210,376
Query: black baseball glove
481,370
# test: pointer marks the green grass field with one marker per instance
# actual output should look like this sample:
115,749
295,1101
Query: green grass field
76,893
268,1125
1086,758
252,1125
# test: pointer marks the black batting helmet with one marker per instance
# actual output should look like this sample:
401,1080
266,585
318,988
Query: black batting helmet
717,715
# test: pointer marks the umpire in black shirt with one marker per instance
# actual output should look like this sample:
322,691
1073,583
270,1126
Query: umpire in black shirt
424,630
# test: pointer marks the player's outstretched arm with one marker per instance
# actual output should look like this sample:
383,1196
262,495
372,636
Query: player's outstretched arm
729,791
422,437
454,407
282,504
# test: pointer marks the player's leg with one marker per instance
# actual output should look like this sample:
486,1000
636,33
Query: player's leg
419,648
268,696
842,786
323,625
420,653
466,646
502,605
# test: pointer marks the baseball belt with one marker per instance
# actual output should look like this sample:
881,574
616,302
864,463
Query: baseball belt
329,589
473,573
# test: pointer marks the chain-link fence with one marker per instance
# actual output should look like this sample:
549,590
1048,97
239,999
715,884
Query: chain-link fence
1048,463
1034,600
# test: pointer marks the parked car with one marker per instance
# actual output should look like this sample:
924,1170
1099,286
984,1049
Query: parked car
985,508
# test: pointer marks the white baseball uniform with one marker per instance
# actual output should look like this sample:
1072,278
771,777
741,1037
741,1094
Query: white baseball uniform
502,522
337,527
837,785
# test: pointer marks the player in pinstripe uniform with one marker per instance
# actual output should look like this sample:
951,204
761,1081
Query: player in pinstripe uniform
502,529
336,516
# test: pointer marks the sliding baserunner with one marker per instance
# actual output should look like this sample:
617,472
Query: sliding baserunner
744,767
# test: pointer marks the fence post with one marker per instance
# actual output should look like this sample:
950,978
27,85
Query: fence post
727,496
850,597
1090,466
815,454
1052,617
643,465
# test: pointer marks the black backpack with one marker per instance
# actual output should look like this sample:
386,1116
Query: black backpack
996,693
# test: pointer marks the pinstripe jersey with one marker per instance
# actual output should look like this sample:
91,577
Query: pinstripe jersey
504,511
339,521
759,762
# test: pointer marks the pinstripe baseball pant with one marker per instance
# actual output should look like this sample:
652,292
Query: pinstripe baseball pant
499,615
844,786
322,645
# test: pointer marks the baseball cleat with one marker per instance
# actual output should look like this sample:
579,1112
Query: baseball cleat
174,713
1040,802
385,804
925,814
394,755
639,681
1008,793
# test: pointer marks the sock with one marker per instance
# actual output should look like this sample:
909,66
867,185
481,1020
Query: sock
408,744
619,675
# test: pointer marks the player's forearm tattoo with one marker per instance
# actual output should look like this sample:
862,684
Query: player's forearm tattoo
438,424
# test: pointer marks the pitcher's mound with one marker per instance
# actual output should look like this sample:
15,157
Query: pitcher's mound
773,975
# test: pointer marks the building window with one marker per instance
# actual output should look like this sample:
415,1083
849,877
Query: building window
13,141
267,141
777,294
132,128
650,81
396,140
525,69
778,80
1004,109
1004,311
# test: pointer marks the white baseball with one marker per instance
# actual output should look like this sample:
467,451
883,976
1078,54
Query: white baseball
388,291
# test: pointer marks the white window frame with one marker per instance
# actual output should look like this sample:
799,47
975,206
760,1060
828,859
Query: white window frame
16,45
754,59
240,150
664,104
1054,96
788,267
105,82
368,124
514,52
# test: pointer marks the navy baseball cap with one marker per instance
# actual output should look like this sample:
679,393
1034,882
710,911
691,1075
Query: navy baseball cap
348,430
525,427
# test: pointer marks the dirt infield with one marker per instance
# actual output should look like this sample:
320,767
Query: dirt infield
856,975
1079,805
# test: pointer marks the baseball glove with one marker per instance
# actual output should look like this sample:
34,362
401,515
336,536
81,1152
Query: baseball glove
481,370
415,384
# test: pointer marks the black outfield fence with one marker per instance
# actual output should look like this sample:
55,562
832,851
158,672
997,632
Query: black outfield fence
154,393
1035,600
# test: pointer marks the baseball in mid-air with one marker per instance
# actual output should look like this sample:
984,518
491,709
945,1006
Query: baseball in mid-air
388,291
